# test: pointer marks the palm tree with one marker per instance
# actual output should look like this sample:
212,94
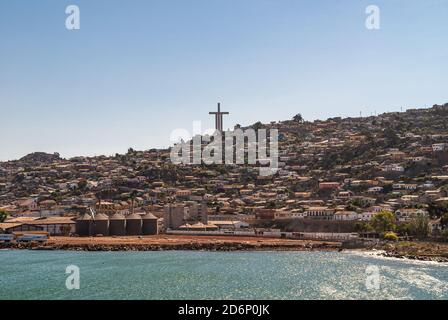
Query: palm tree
133,195
257,125
98,196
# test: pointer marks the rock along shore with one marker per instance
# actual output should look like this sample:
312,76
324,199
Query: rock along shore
424,251
226,246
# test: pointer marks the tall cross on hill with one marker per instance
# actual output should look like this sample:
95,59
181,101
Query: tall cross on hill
218,118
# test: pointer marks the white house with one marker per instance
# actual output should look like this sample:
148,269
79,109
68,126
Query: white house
404,186
324,213
439,146
367,215
409,214
345,216
283,214
375,190
393,168
345,194
229,224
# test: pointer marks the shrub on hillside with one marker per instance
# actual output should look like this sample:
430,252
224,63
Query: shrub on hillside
390,236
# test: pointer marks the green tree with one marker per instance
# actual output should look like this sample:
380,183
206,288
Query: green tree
444,189
257,125
391,236
3,215
391,136
404,229
387,188
363,227
82,184
356,203
270,205
444,221
437,210
384,221
419,226
298,118
445,234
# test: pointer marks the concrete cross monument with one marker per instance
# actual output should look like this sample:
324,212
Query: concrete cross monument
218,118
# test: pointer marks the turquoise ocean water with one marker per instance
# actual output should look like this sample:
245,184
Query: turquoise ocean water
217,275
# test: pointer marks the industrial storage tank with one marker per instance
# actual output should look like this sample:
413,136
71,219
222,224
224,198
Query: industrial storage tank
150,225
117,225
134,225
82,225
100,225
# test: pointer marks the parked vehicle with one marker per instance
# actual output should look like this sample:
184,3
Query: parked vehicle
6,237
31,233
32,237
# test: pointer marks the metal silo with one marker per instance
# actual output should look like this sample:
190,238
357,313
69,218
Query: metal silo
83,225
117,225
150,225
134,225
100,225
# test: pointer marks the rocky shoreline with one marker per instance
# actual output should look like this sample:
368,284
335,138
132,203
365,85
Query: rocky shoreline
226,246
421,251
415,257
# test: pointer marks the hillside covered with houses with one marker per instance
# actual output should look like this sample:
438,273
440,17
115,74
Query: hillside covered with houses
335,175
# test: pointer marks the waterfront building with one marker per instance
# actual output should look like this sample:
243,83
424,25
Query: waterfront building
99,225
133,224
82,225
150,225
117,225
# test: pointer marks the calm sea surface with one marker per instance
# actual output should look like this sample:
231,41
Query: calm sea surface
217,275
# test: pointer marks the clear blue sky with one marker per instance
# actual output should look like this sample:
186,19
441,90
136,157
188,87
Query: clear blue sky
136,70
